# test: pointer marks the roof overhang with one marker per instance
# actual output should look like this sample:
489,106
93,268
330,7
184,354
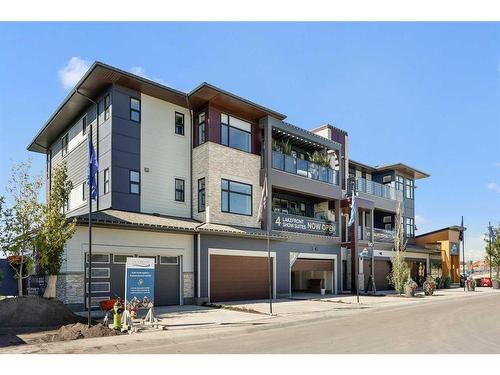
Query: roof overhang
98,78
207,93
403,168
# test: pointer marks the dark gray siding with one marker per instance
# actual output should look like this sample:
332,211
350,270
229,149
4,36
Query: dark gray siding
282,250
126,148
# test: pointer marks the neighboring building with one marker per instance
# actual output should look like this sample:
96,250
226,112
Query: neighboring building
181,177
447,242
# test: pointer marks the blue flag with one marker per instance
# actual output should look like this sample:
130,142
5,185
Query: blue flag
92,169
354,209
493,235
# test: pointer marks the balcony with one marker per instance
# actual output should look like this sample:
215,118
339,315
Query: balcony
304,168
377,189
379,235
304,224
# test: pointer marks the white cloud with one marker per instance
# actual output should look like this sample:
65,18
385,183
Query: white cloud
494,187
73,71
141,72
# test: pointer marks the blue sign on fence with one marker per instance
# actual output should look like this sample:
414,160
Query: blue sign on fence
140,281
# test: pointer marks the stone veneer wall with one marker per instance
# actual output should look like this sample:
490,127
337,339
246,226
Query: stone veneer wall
215,162
69,288
188,285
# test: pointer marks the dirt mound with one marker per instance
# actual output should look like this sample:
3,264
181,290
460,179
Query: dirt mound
80,331
35,312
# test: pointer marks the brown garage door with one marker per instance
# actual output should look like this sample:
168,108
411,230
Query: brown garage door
238,278
312,265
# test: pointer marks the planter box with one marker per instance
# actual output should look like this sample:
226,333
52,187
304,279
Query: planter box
495,284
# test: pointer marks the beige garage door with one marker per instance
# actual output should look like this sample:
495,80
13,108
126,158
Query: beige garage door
238,278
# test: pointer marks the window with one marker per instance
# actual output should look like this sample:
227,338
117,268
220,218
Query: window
84,125
97,258
399,183
179,190
106,181
120,259
387,219
410,227
107,105
409,188
179,123
135,182
387,179
99,287
202,132
135,109
169,260
201,195
235,133
236,197
388,226
98,273
64,144
65,207
84,191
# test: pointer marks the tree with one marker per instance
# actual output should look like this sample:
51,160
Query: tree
494,252
20,222
400,271
55,228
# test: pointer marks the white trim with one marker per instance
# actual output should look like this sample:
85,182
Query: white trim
318,256
198,265
246,253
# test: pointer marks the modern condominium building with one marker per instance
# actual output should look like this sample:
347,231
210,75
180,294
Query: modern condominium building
181,178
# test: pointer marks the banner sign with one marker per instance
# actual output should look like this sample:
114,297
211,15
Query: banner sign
140,281
454,248
303,224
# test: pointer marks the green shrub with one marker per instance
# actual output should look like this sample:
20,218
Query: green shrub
447,282
438,280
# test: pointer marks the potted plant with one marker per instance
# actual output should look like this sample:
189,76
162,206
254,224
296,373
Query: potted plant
495,282
286,147
470,283
410,288
447,282
438,282
429,286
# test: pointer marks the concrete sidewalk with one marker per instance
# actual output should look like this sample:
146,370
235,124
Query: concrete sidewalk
188,323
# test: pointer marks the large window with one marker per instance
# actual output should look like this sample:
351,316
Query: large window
201,195
399,183
135,109
107,105
410,227
84,125
179,123
236,197
235,133
106,181
202,129
409,188
64,144
179,190
135,182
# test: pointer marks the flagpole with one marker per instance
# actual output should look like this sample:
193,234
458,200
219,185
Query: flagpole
463,250
489,235
89,293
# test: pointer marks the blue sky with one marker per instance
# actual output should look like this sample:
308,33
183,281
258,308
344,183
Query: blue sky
426,94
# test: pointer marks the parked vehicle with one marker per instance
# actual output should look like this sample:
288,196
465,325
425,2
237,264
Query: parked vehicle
486,281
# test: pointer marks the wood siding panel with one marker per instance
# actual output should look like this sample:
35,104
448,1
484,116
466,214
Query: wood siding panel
238,278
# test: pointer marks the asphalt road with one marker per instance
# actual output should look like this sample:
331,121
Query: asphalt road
453,326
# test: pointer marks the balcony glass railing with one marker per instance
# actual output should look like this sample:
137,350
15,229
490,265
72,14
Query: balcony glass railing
304,168
379,235
380,190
